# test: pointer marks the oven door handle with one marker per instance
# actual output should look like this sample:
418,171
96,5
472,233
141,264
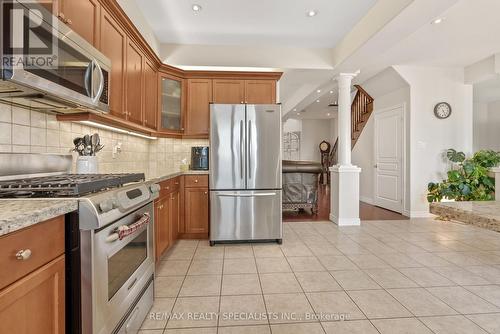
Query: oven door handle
125,230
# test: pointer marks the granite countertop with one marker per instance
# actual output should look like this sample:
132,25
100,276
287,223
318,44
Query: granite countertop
485,214
16,214
174,174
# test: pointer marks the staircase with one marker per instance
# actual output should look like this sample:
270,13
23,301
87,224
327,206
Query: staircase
361,109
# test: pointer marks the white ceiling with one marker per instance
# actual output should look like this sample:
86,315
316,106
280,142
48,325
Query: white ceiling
256,22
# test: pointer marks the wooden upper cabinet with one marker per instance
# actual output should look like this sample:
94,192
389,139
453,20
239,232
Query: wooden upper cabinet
113,42
199,93
228,91
150,95
82,16
36,302
260,91
134,83
171,98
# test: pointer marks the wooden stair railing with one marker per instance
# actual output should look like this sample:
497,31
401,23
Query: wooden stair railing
361,109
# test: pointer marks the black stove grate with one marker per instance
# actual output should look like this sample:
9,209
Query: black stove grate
65,185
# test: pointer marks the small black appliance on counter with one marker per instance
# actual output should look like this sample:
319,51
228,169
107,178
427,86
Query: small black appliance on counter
199,158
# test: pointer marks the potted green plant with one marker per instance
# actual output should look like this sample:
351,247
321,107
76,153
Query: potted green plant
469,178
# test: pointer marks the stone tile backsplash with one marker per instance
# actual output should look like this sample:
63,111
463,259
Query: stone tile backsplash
25,131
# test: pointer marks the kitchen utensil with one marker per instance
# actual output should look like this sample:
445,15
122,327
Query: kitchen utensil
95,142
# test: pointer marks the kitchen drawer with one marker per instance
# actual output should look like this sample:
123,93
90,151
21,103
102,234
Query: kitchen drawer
169,186
44,240
196,181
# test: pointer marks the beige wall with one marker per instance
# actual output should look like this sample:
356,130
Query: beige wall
26,131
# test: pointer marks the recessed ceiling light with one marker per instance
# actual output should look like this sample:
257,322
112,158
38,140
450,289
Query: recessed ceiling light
317,100
294,109
196,8
318,91
438,20
311,13
298,114
327,114
331,92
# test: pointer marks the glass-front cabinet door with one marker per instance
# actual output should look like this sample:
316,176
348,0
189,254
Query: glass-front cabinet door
171,103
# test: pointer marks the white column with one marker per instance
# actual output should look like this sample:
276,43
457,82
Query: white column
495,172
344,117
344,176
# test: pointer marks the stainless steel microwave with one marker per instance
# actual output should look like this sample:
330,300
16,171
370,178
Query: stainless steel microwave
79,81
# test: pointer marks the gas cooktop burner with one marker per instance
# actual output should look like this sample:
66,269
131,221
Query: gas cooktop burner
65,185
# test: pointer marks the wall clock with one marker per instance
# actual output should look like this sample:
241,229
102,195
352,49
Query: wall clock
442,110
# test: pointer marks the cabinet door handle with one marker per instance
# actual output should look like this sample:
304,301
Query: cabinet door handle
23,254
196,181
68,21
61,16
206,192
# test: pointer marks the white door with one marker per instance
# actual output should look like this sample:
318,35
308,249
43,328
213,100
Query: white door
388,185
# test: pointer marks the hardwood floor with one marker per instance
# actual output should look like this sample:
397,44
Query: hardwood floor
366,211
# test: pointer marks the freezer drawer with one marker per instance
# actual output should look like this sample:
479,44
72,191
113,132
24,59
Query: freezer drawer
245,215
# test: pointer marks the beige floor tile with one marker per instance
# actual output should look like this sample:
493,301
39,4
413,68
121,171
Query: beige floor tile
211,330
334,306
378,304
168,286
299,328
460,258
288,308
238,252
239,266
273,265
151,331
489,322
279,283
158,315
242,284
420,302
202,285
317,281
463,301
398,260
173,268
390,278
460,276
305,263
265,251
242,310
296,249
489,273
490,293
324,249
349,327
212,253
180,253
337,262
260,329
368,261
401,325
455,324
426,277
430,260
205,267
354,280
203,311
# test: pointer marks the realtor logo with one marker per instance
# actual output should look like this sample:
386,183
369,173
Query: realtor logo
27,36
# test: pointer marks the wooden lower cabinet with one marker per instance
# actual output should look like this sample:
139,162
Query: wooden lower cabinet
196,211
175,213
162,226
35,303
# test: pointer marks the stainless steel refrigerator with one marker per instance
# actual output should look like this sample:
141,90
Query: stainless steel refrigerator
245,172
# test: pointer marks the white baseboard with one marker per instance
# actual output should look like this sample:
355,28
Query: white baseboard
345,221
421,214
368,200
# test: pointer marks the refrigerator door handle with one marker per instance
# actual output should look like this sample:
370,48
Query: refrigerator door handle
248,195
249,149
241,149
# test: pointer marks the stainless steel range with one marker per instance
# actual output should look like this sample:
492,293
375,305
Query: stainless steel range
109,241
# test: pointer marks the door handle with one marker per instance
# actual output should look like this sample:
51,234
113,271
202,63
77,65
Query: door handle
101,82
249,149
87,78
248,195
241,149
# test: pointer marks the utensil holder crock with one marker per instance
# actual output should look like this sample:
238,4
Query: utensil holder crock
87,165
